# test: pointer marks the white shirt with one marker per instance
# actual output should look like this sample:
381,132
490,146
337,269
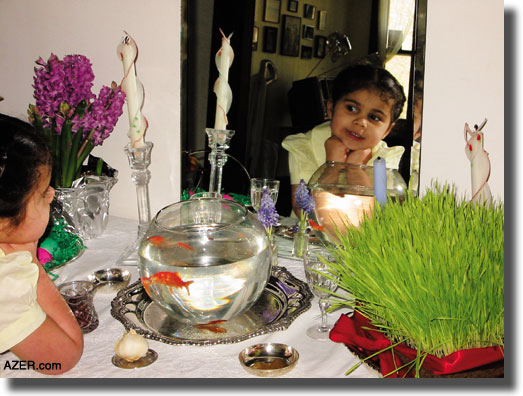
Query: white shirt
307,152
20,313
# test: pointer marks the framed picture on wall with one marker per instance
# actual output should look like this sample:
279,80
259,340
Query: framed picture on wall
270,39
306,52
309,11
290,41
322,19
292,6
272,11
319,46
308,32
255,38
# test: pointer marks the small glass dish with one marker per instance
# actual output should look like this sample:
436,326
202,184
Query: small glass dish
110,280
269,360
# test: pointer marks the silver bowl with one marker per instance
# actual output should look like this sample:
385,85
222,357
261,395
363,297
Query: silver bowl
110,280
269,360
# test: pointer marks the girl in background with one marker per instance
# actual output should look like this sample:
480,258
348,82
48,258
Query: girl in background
366,102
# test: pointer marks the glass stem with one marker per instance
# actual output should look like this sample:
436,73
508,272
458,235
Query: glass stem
218,142
324,304
139,161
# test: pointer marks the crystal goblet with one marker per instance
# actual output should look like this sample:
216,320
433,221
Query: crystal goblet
258,185
320,282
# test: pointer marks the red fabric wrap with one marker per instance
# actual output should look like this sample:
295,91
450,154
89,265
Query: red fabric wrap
359,334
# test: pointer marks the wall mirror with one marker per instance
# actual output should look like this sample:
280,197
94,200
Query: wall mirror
339,32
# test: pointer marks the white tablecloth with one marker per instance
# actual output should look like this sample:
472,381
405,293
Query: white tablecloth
317,358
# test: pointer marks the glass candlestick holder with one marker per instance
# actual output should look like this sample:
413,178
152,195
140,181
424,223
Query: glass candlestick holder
139,161
219,140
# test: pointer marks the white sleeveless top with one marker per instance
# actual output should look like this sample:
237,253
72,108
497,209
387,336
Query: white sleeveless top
20,313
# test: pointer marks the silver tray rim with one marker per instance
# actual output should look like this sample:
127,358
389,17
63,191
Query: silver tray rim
303,296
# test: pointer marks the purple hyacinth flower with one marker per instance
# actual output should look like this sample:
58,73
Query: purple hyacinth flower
267,213
304,200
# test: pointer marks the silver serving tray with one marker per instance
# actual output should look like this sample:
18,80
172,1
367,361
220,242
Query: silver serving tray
283,299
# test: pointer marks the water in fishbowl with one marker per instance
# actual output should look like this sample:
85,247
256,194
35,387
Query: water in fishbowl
256,196
344,205
205,278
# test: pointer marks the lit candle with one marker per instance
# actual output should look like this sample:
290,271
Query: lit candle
380,180
224,58
134,93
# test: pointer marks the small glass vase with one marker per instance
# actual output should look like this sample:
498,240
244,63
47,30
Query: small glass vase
85,207
301,244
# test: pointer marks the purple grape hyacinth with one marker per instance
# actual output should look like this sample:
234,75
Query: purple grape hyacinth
304,200
267,213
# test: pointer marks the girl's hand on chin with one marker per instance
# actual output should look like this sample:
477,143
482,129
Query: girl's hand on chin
335,150
360,157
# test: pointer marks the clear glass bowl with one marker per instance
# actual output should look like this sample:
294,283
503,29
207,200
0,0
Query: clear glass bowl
344,194
205,260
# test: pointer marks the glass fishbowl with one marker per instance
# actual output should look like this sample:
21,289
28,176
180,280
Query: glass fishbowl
205,260
344,194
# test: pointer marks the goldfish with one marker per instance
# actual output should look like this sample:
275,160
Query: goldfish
184,245
316,226
211,326
160,241
169,279
156,240
194,165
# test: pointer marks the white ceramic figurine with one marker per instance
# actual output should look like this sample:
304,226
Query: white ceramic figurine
479,164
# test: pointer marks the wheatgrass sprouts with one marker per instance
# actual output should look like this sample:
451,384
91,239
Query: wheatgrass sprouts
429,272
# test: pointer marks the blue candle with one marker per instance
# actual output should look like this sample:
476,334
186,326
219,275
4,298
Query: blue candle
380,180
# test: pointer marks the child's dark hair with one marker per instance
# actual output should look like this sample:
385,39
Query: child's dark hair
357,77
22,154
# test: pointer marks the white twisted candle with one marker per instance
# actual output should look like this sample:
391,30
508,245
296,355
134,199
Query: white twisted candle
134,92
479,164
224,58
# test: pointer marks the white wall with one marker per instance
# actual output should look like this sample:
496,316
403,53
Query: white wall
30,29
463,83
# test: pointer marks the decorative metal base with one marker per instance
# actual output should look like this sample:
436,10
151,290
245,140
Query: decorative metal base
283,299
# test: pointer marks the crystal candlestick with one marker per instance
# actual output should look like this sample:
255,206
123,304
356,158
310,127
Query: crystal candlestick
218,142
139,161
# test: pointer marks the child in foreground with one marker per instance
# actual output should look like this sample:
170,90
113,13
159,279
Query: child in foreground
35,322
366,102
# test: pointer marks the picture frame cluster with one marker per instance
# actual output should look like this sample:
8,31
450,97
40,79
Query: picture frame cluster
297,37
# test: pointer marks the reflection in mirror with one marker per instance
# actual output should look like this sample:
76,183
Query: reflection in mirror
263,112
